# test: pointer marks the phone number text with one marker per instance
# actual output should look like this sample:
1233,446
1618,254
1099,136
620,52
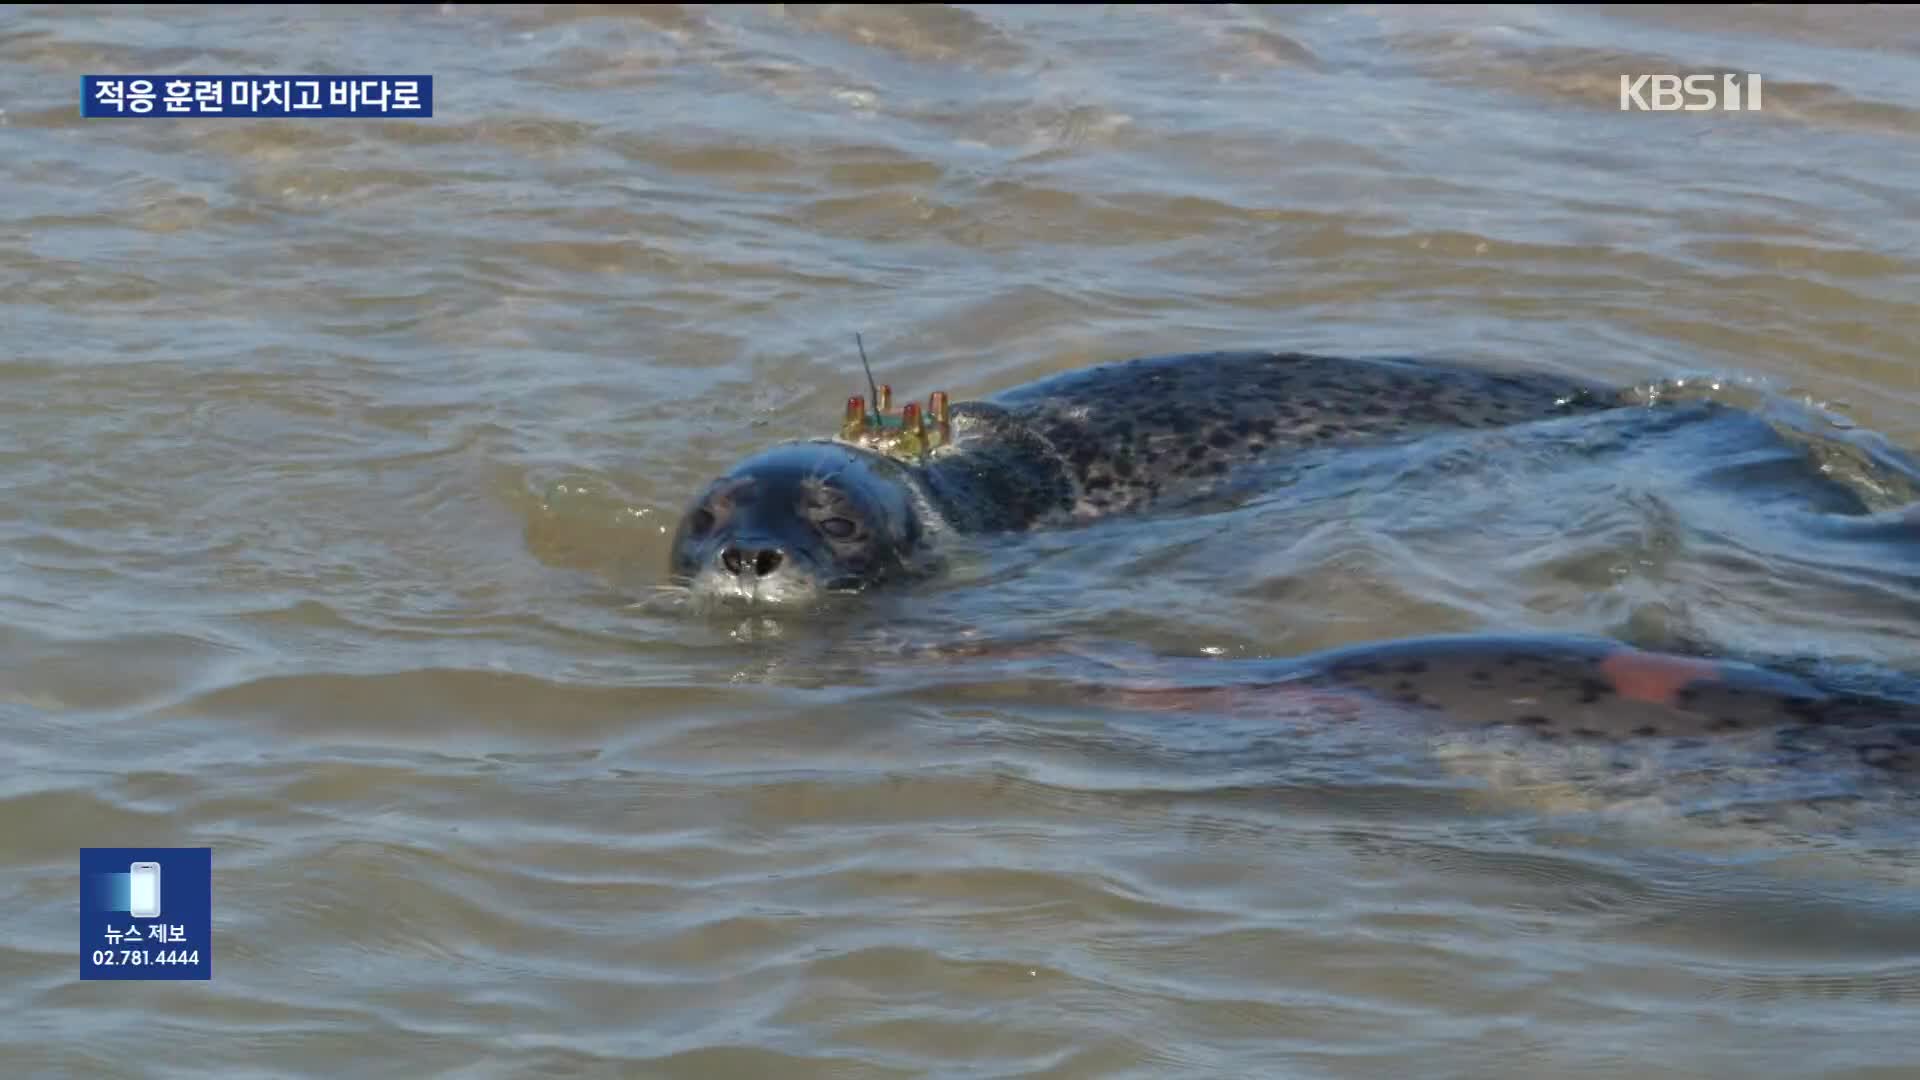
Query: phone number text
138,957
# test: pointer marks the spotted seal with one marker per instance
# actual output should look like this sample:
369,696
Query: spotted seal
810,517
1560,689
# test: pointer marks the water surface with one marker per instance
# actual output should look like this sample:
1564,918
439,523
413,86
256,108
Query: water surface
340,460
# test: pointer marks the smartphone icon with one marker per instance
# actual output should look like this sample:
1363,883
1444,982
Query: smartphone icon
144,894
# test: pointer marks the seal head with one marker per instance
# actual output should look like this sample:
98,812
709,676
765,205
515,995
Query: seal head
799,521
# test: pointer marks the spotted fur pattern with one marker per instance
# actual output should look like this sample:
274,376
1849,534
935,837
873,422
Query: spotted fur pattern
1159,430
1579,690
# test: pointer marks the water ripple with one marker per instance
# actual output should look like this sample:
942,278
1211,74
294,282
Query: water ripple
341,460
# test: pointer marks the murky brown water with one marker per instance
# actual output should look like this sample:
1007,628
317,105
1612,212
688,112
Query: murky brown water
340,458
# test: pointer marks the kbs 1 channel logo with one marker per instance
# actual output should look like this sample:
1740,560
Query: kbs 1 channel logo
1690,93
146,913
134,97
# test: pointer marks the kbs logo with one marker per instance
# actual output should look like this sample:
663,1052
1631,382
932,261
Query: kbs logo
1693,93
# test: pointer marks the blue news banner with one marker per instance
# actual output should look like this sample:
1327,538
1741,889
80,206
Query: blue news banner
254,96
146,913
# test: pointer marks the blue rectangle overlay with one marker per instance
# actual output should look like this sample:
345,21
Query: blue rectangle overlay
256,96
146,913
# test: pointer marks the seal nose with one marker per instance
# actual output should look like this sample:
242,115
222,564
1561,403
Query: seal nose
761,561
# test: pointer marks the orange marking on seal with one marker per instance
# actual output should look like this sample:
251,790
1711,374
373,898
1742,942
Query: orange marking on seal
1651,677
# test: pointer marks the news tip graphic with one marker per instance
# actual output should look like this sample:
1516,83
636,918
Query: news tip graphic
108,97
146,913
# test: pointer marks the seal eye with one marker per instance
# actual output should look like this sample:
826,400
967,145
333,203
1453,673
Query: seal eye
701,522
838,528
